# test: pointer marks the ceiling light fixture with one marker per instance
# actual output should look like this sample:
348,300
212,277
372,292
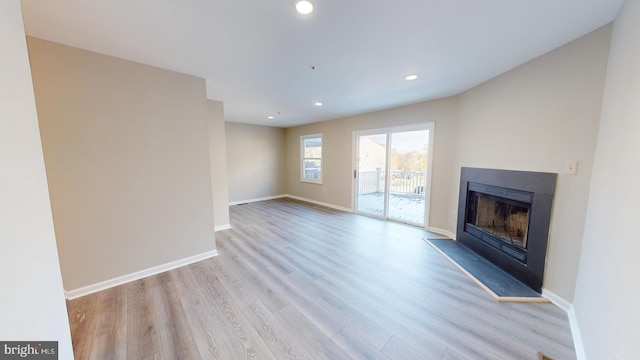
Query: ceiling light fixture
270,117
317,103
304,7
411,77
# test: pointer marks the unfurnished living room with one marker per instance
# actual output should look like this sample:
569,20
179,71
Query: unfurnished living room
321,179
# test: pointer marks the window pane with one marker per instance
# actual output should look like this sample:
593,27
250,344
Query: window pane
313,152
311,158
313,142
313,147
312,169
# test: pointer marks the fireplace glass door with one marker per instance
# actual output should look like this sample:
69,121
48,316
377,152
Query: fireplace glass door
505,219
500,218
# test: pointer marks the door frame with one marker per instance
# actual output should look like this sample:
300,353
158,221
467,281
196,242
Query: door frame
430,126
356,174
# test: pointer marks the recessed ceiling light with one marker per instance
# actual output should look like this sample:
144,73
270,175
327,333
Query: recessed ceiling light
270,117
411,77
317,103
304,7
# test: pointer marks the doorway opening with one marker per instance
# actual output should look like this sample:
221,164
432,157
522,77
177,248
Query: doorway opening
392,173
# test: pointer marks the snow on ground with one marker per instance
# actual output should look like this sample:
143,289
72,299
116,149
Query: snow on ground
408,208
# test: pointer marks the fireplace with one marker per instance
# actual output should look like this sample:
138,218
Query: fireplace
499,217
504,216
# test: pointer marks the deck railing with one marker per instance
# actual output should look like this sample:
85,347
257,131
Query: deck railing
401,182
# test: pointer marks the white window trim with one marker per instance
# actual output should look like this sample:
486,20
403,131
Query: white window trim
302,178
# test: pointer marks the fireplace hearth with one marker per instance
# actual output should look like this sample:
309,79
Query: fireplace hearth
504,216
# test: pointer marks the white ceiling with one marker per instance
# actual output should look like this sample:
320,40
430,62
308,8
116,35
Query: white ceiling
256,55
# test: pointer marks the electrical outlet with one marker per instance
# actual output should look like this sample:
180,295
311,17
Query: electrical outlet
454,214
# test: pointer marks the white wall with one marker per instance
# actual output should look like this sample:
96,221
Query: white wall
218,164
534,118
255,160
608,290
32,303
127,154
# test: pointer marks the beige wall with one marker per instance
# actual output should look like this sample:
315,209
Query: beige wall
127,157
32,303
218,164
607,291
255,161
534,118
338,154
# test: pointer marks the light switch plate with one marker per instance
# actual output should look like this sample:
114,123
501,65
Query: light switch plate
571,167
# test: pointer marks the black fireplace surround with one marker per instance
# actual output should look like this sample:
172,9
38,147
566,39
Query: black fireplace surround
504,216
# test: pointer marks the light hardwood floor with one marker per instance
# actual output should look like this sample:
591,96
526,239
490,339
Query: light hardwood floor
295,281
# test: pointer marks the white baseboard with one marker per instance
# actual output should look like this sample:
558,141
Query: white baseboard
557,300
103,285
320,203
222,227
292,197
257,199
442,232
576,334
573,321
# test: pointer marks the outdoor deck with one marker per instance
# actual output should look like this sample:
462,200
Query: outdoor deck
406,208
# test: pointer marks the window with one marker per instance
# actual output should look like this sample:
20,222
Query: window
311,158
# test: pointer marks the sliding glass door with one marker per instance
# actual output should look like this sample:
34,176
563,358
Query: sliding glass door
371,174
392,173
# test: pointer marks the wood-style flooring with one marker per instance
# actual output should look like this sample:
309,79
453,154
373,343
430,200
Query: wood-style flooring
296,281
